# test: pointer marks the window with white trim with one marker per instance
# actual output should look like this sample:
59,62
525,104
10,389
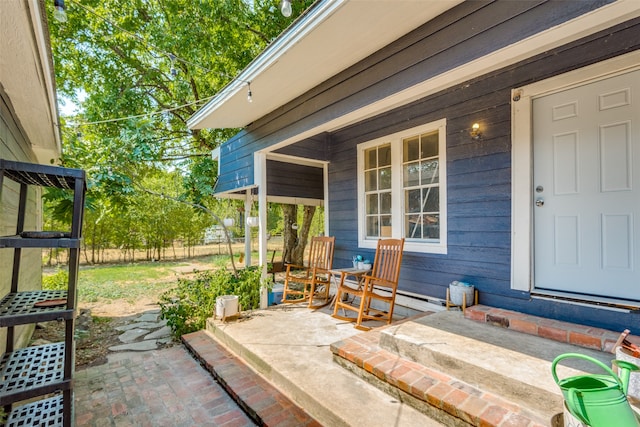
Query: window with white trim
402,189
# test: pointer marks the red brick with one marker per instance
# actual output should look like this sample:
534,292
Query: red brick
454,399
492,416
552,333
382,370
523,325
471,409
420,387
584,340
372,362
396,373
405,381
476,314
118,408
437,393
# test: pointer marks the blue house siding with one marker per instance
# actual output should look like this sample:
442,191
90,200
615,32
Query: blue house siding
292,180
479,181
478,172
462,34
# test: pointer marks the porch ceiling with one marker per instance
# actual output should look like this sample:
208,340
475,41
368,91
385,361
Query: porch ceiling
332,36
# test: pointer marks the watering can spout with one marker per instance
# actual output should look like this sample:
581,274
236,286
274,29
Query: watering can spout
624,372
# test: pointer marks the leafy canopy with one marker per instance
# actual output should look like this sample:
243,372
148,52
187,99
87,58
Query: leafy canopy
154,62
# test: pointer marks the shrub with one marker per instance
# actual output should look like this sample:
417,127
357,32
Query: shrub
57,281
187,306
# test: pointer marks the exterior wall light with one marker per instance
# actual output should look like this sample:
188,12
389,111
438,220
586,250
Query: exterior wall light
475,132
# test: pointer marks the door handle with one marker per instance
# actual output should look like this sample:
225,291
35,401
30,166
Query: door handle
539,202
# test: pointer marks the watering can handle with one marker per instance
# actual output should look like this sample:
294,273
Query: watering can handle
573,402
587,358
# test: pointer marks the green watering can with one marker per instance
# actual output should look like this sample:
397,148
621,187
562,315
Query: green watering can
598,400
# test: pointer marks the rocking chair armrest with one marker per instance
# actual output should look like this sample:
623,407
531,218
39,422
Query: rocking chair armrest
377,281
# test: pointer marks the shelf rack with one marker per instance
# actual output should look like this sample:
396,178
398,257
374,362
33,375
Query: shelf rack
41,374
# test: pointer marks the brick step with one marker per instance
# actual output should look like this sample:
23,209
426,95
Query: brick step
265,404
477,373
556,330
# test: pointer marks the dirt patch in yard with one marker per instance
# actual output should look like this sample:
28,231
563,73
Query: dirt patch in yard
97,322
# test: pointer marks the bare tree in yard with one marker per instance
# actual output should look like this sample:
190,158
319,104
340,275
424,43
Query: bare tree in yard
295,241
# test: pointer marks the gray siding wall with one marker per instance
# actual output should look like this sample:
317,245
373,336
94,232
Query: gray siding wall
14,146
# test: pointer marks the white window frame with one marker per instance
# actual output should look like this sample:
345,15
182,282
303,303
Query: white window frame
397,189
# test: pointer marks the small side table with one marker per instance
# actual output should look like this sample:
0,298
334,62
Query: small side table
357,274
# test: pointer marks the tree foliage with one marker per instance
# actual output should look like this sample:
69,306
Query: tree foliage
137,70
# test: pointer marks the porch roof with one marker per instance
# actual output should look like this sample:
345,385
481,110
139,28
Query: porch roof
336,34
330,37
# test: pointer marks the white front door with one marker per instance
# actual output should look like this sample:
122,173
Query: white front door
586,153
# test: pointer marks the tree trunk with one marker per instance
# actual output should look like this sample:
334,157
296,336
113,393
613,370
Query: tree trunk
295,241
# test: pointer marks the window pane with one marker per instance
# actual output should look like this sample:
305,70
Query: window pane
372,226
412,227
431,226
385,226
411,149
429,146
370,158
385,203
412,200
384,155
372,203
432,197
430,172
371,180
411,174
385,179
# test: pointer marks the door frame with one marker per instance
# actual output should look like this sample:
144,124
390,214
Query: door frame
522,156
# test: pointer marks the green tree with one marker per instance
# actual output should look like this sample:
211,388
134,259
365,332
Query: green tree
138,70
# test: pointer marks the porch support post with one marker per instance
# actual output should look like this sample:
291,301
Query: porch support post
247,228
260,160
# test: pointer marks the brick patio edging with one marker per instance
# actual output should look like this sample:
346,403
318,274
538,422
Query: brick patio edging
565,332
265,404
417,382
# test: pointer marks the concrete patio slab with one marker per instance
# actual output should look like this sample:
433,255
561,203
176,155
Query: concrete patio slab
290,346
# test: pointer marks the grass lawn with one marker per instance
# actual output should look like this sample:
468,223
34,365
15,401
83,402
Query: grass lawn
133,281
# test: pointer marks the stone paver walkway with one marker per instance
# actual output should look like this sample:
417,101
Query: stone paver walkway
146,332
164,387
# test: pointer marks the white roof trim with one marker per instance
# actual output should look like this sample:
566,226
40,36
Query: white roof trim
590,23
332,36
267,58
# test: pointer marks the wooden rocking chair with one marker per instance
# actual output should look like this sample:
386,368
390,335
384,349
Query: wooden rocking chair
313,280
380,285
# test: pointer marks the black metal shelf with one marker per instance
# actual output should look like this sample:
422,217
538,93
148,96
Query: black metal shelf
23,242
42,372
19,308
31,372
42,175
47,412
